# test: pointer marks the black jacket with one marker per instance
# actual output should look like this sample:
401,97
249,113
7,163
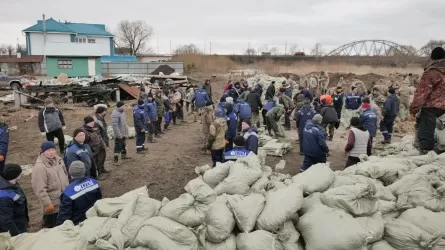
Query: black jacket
329,114
13,208
77,198
270,92
254,100
338,101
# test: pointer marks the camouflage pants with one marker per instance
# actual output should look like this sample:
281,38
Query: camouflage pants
329,128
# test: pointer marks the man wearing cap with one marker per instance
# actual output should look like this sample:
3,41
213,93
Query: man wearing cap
120,130
140,122
52,124
338,101
314,143
79,151
79,196
49,178
99,119
93,139
389,114
217,132
13,203
429,100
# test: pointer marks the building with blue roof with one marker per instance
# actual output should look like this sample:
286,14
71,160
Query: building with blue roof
71,48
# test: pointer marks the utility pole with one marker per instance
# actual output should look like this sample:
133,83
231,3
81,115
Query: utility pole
285,48
170,47
210,47
44,41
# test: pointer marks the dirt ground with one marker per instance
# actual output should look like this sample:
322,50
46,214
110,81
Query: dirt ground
165,169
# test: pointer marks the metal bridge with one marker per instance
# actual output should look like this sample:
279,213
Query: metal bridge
372,48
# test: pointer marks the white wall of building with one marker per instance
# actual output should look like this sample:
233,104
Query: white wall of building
60,44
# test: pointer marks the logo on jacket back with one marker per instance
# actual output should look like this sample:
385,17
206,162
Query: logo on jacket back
83,185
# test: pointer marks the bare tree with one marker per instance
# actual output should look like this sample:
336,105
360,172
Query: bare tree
250,52
292,49
274,51
11,50
187,49
3,49
427,48
318,50
133,35
22,49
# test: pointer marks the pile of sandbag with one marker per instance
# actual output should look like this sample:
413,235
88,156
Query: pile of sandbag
276,148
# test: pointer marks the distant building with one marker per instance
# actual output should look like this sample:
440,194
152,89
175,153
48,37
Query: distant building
154,58
71,48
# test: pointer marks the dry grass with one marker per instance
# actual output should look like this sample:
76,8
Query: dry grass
206,63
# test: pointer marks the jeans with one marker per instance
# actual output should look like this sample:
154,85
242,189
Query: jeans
310,160
140,140
217,156
352,161
426,125
386,126
58,133
120,146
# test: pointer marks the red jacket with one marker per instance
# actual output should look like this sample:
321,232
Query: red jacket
430,92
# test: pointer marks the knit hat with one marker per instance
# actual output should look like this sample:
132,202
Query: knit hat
88,119
229,100
140,102
219,113
100,109
120,104
77,169
245,124
11,171
48,101
392,91
77,131
317,118
437,53
47,145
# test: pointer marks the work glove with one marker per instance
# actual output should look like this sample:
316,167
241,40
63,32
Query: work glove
50,209
2,158
64,127
42,133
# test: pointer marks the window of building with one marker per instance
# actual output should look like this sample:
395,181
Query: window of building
91,40
80,39
65,64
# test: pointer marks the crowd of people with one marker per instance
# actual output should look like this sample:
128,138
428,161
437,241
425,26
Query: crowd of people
67,184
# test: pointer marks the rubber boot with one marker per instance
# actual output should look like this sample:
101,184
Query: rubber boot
125,157
116,160
150,138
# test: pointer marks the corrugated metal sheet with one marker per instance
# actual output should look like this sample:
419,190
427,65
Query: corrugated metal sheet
135,68
133,91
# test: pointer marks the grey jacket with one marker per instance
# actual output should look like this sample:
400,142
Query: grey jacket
119,123
50,119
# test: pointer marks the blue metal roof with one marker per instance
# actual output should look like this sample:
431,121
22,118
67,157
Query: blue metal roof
72,28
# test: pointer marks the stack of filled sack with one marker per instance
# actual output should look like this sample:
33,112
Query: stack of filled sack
378,204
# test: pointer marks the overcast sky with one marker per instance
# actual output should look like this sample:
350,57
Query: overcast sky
231,24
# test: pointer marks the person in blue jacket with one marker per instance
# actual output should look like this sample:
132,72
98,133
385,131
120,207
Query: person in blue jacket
231,126
78,151
79,196
389,114
152,115
303,115
4,144
368,118
239,151
268,106
250,136
244,112
353,99
13,203
200,99
315,148
140,124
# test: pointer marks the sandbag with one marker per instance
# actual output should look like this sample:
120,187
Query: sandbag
375,225
289,237
387,170
228,244
219,221
66,237
164,234
281,206
185,210
317,178
415,190
401,234
342,179
358,199
258,240
246,210
325,228
240,178
260,185
200,191
97,228
217,174
5,241
309,202
389,209
381,245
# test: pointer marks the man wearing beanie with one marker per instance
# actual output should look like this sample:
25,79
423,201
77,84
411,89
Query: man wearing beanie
389,114
99,119
79,196
140,123
120,130
217,132
315,148
51,123
429,100
368,118
49,178
79,151
13,203
93,138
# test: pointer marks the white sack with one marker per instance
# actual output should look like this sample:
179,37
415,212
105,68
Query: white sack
401,234
289,237
310,201
258,240
260,185
164,234
281,206
388,170
217,174
375,226
389,209
246,210
239,180
317,178
219,221
229,244
381,245
325,228
95,228
342,179
200,191
358,199
5,241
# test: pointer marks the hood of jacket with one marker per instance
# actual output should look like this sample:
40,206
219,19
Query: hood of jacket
438,65
307,107
221,121
311,124
4,184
